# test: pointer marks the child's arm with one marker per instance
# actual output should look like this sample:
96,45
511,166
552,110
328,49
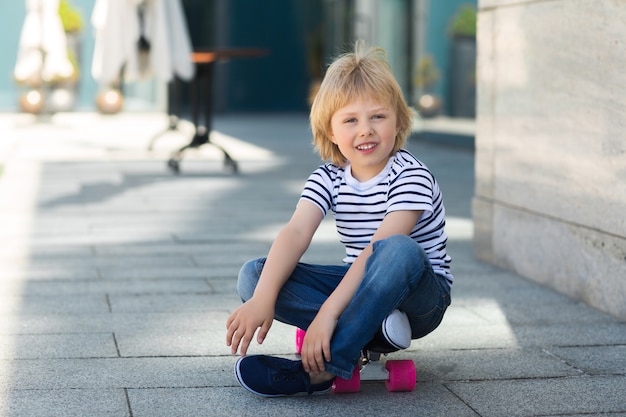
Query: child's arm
288,247
316,345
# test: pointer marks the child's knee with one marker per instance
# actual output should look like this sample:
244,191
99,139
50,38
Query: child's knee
248,278
399,248
398,242
399,257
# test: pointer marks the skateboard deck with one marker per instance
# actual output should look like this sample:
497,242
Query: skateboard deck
399,375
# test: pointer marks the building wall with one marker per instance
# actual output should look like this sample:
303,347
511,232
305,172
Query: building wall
550,198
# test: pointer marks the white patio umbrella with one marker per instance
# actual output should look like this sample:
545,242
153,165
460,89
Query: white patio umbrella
42,51
119,28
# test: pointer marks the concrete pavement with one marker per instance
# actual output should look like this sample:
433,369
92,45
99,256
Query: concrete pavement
118,276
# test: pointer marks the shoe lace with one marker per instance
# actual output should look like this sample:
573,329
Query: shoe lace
291,372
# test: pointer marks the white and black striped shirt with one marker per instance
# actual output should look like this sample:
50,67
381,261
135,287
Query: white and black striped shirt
359,207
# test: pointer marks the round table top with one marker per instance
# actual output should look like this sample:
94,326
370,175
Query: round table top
205,56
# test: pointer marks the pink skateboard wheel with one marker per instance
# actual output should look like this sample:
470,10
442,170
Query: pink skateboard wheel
344,386
402,375
299,339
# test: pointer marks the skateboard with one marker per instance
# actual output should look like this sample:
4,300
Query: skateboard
399,375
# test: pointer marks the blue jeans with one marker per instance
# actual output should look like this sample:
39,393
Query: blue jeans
398,275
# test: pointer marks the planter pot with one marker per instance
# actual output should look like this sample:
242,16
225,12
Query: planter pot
110,101
428,105
463,77
57,95
32,101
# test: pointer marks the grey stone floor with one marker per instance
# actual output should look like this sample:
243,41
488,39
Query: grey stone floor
118,276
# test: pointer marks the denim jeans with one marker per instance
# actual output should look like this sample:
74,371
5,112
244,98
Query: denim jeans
398,275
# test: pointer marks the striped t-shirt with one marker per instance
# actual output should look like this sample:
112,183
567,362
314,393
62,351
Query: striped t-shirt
359,207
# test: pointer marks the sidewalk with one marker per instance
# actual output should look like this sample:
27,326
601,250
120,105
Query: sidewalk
118,276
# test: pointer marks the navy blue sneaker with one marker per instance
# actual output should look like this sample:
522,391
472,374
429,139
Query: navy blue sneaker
269,376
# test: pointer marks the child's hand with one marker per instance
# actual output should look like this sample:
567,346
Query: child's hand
316,344
243,323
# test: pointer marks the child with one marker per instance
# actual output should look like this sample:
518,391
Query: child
395,283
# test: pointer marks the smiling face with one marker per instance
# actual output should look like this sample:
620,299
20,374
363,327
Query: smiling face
365,132
361,83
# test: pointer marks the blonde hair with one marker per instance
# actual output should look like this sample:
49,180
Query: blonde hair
364,73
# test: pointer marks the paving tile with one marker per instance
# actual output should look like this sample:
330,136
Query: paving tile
85,262
67,402
209,249
591,415
551,396
113,287
42,305
450,335
583,334
594,360
485,364
60,253
53,346
114,322
373,400
106,237
56,272
171,302
207,337
537,306
223,285
113,373
165,272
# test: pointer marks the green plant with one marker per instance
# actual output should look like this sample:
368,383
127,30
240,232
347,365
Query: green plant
463,23
427,73
71,19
